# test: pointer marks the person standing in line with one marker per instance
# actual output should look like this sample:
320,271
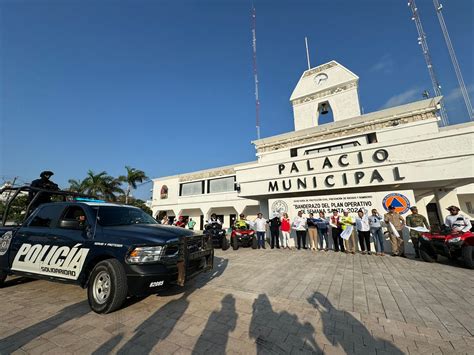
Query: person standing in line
260,227
363,231
323,225
312,231
275,224
299,224
377,232
395,223
346,221
336,230
165,220
285,231
416,220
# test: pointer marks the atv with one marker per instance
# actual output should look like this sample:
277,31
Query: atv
452,245
243,236
217,234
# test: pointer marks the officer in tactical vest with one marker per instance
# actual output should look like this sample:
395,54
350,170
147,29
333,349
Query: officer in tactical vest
416,220
44,183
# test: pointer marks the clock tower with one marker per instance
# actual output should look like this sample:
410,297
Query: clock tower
325,88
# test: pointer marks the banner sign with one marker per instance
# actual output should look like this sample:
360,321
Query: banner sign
401,200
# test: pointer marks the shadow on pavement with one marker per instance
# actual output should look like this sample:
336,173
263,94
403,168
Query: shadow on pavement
329,314
263,314
108,345
17,281
218,327
161,323
24,336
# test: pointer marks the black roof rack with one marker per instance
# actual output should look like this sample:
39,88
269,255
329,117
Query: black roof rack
27,188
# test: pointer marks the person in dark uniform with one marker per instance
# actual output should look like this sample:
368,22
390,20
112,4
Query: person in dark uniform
44,183
275,224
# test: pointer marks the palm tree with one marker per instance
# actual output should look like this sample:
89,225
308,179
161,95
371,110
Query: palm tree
132,178
77,185
102,185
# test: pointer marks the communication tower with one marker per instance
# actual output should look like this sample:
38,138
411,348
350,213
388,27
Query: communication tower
426,53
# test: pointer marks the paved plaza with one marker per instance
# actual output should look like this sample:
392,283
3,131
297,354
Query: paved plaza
259,301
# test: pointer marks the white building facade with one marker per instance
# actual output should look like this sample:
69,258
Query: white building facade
394,156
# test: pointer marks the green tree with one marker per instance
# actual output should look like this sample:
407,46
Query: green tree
77,185
133,177
16,214
102,185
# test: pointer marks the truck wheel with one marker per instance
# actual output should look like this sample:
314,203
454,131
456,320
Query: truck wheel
107,286
254,243
235,244
468,256
426,256
3,277
225,243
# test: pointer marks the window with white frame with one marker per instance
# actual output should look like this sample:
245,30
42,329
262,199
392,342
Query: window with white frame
226,184
192,188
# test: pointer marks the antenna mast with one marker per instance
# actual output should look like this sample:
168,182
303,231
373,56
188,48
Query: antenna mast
457,69
255,75
426,52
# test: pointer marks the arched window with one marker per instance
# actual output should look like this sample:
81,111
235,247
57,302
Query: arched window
325,114
164,192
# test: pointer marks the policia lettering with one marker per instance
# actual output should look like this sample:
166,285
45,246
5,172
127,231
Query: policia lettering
59,261
379,156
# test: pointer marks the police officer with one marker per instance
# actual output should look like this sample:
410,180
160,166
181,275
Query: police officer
241,222
416,220
214,219
44,183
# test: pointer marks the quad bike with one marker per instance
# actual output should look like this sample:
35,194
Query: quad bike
243,237
218,235
452,245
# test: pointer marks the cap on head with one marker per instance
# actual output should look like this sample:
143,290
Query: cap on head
391,207
453,208
46,173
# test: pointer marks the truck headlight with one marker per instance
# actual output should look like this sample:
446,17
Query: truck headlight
145,254
454,240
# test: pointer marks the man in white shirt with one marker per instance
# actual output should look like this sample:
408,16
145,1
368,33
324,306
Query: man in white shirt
299,225
363,231
260,224
456,221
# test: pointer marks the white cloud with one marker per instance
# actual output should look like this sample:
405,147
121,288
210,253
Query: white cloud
456,94
385,64
403,98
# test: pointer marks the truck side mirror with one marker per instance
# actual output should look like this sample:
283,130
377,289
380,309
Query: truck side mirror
71,224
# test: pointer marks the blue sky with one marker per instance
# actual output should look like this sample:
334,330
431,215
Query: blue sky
167,86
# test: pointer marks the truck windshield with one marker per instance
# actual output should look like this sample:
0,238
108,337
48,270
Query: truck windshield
121,216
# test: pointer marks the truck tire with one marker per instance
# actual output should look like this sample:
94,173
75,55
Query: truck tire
108,287
235,244
225,243
468,256
3,277
426,256
254,243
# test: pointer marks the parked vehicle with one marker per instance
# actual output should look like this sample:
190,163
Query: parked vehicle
113,250
243,237
217,235
449,244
